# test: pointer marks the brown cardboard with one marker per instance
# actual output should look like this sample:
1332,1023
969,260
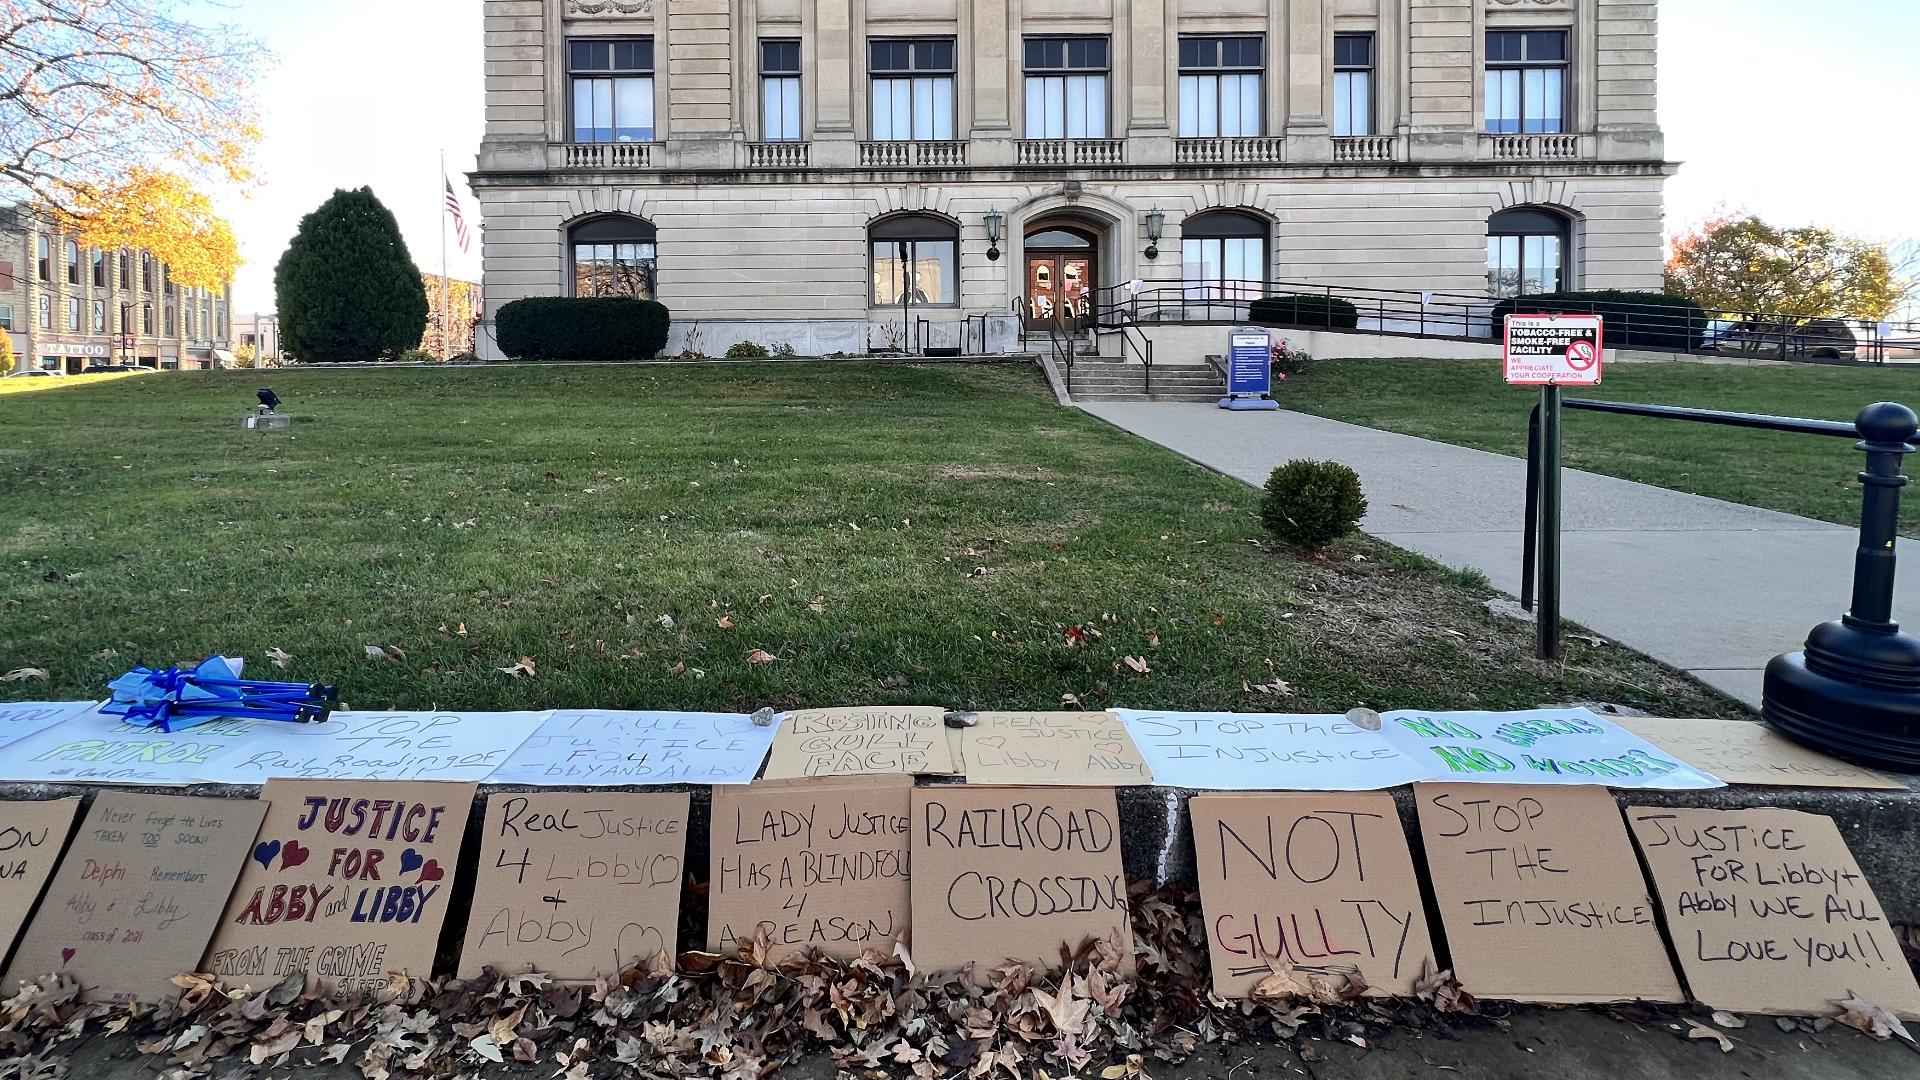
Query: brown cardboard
138,894
349,880
576,884
1007,873
32,835
815,863
1769,913
1540,894
1065,749
1310,884
1743,752
908,739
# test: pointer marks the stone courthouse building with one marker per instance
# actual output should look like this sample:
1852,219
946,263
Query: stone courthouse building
821,173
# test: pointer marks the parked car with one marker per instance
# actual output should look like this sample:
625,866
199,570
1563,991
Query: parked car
34,373
1815,339
102,369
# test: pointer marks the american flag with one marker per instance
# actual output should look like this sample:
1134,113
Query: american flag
459,219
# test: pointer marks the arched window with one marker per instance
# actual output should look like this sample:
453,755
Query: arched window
917,256
73,264
1526,252
1223,255
614,256
44,252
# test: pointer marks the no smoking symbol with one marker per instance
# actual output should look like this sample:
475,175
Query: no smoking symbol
1580,355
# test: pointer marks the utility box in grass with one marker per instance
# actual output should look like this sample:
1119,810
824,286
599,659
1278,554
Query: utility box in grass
267,422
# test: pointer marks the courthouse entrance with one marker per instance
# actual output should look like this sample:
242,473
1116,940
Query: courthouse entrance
1061,274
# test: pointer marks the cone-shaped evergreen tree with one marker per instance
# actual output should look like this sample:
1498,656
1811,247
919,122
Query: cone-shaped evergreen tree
346,288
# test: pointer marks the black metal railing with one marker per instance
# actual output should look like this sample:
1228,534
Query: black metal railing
1403,312
1540,546
1135,342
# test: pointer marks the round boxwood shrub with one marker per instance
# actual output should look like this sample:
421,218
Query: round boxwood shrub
1650,320
1305,309
747,350
1310,504
583,328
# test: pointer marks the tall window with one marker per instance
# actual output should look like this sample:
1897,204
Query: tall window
1526,81
6,316
912,88
917,256
1352,84
43,250
612,89
1526,252
126,270
1220,79
146,318
1067,88
1223,256
614,256
73,264
73,314
146,271
99,269
780,91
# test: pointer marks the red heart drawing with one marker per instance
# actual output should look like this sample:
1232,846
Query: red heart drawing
432,871
66,957
293,855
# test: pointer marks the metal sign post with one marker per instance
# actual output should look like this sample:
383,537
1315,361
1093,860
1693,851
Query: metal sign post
1249,370
1551,351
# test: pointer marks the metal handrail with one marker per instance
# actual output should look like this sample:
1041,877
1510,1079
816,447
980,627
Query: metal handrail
1143,348
1405,312
1544,569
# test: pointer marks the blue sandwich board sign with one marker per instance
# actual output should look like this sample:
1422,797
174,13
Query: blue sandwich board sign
1249,369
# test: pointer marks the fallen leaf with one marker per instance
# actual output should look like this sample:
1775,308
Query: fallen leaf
23,674
759,657
1704,1033
391,654
724,622
281,660
1872,1019
818,605
894,682
522,670
485,1047
1153,639
1138,664
1728,1020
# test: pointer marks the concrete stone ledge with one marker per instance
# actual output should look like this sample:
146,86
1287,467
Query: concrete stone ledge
1881,827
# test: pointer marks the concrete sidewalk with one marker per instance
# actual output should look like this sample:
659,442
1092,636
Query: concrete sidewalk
1711,587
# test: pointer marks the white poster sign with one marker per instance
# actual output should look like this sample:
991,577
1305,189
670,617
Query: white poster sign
1266,752
94,748
19,719
1541,746
608,748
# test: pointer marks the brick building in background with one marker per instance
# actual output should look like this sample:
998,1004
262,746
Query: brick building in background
789,170
69,306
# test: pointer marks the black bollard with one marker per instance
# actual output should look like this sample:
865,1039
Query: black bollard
1854,691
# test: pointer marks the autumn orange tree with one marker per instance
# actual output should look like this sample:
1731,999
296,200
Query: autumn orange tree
117,115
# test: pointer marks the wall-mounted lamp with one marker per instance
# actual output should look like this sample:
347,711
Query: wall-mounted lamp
1155,221
994,219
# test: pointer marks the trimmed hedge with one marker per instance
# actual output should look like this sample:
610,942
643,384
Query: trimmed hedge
1647,319
1310,504
1305,309
583,328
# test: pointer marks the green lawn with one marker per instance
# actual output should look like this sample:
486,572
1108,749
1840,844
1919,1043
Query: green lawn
886,534
1466,403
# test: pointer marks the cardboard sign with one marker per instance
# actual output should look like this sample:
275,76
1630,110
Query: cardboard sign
1539,746
138,894
19,719
576,885
604,748
814,863
32,835
1310,885
1743,752
96,748
348,880
1014,873
1541,895
1069,749
1769,913
1554,350
910,739
1267,752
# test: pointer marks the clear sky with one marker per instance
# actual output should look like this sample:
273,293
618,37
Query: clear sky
1801,111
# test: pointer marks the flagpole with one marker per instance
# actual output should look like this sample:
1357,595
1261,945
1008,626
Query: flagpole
446,293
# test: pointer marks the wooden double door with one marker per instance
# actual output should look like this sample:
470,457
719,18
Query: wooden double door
1061,277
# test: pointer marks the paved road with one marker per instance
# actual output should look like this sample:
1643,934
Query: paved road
1711,587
